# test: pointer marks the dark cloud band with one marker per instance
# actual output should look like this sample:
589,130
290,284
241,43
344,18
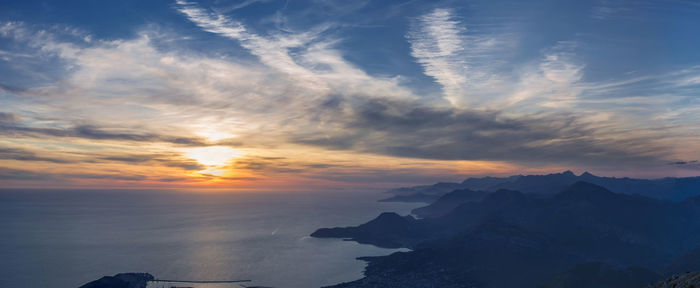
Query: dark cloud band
96,133
405,129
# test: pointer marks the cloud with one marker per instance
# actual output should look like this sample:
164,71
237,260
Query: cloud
7,117
607,10
21,174
24,174
70,158
437,44
10,88
97,133
102,176
465,63
315,68
353,111
683,162
24,155
405,129
473,68
273,52
555,82
165,159
242,4
263,164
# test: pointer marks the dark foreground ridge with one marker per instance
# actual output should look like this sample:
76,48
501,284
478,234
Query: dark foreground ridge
687,280
583,236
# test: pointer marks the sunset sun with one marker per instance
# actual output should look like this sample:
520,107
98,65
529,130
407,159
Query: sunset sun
215,156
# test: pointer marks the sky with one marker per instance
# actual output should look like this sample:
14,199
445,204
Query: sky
325,94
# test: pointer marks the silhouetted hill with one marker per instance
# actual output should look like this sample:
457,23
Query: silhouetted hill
448,202
122,280
601,275
388,230
435,189
539,184
675,189
418,197
486,183
690,261
687,280
514,239
494,255
433,192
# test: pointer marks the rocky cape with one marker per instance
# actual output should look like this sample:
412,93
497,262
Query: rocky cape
122,280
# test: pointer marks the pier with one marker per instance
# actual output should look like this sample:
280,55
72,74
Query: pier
200,281
166,282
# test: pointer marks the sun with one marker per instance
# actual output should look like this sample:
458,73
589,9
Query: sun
213,156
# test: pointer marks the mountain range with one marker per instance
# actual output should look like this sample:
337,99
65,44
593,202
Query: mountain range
674,189
537,237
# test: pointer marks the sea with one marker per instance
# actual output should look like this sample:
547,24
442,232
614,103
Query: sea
64,239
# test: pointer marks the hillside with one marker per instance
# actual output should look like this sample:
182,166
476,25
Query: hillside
529,238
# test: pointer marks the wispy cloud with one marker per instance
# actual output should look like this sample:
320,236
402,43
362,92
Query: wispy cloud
554,82
243,4
315,66
165,159
465,63
438,43
272,51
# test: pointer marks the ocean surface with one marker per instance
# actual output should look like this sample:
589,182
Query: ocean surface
63,239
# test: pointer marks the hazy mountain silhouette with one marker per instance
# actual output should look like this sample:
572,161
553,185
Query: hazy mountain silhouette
675,189
410,198
515,239
426,193
448,202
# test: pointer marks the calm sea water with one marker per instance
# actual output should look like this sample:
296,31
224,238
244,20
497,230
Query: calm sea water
64,239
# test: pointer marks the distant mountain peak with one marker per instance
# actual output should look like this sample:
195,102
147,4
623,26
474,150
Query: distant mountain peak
587,174
568,173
